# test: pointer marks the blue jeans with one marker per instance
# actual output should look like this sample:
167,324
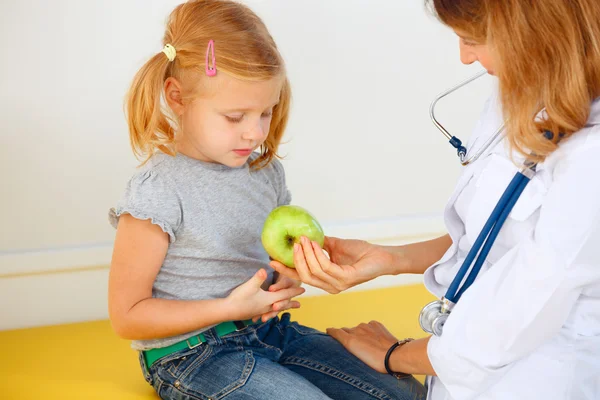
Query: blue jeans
276,360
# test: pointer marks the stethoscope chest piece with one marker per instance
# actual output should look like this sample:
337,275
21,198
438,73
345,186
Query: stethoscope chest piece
433,317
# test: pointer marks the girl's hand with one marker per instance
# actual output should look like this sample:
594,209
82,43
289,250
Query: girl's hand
369,342
249,300
352,262
282,282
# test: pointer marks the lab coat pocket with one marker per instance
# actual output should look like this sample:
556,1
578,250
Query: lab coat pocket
490,185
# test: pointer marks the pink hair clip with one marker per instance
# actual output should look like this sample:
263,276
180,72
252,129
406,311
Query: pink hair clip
211,70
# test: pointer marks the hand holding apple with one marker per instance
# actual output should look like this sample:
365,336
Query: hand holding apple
346,264
284,227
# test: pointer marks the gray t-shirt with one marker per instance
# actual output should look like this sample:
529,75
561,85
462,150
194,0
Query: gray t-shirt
213,215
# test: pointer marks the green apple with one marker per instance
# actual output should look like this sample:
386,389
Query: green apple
284,226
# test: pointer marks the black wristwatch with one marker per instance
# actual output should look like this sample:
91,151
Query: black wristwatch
386,362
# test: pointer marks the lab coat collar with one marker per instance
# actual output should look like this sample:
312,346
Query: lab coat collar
594,118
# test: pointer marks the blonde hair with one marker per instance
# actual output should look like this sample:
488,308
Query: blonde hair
244,49
547,57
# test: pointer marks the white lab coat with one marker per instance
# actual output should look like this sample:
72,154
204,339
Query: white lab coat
529,327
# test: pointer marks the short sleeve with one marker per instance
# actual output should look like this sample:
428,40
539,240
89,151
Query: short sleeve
284,196
149,197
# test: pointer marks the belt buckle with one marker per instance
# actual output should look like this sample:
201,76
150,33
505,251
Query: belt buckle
195,345
239,325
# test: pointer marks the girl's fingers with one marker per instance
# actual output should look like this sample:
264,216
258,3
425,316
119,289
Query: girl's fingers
268,316
285,305
278,286
285,294
281,305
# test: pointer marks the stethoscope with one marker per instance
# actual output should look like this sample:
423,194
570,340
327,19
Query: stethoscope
434,315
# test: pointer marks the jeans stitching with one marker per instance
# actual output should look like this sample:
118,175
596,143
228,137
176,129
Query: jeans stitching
250,362
202,357
241,381
184,393
159,383
312,332
145,368
277,350
281,332
351,380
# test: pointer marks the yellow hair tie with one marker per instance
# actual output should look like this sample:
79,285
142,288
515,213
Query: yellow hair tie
170,52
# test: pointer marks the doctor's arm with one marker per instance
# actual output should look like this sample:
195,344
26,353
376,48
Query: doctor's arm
415,258
352,262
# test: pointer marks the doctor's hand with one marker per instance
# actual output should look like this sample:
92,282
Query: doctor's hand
368,342
350,263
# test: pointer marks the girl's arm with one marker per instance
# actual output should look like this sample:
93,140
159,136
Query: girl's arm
139,251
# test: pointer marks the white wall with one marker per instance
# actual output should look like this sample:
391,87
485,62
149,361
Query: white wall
361,154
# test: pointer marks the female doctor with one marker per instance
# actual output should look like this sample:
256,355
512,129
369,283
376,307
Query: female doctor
529,325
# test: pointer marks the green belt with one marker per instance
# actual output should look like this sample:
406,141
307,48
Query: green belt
222,329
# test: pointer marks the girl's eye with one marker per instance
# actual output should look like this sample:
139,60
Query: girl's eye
234,120
267,114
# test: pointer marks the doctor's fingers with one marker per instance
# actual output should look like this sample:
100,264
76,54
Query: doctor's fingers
330,268
283,270
341,335
306,275
343,276
377,326
319,264
365,328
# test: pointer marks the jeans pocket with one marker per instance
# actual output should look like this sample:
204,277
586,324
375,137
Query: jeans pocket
210,376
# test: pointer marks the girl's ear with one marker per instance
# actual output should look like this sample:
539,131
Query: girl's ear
173,96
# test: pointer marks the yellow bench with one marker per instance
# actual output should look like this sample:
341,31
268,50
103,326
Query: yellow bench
87,361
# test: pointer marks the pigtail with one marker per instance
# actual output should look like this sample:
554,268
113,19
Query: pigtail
149,124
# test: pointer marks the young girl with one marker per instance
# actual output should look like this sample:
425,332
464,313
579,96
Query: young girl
188,280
